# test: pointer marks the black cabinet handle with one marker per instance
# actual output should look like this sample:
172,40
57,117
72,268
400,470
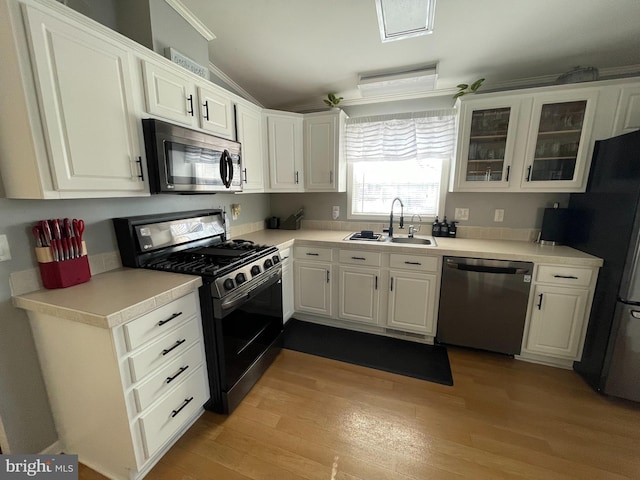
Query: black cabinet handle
186,402
182,369
177,344
569,277
328,276
297,179
245,174
358,258
190,112
508,170
206,110
139,162
331,177
529,173
175,315
413,263
313,254
540,302
376,285
392,284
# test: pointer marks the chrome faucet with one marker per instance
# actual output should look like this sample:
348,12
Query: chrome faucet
413,229
401,226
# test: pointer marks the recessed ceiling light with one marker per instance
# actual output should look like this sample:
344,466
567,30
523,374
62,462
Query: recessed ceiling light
399,19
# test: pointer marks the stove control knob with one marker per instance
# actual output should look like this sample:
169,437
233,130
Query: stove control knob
255,270
228,284
268,263
276,259
241,278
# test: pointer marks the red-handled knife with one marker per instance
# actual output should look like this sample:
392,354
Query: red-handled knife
46,231
65,248
38,234
54,250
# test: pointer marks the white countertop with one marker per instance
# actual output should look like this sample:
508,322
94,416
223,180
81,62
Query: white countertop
460,247
111,298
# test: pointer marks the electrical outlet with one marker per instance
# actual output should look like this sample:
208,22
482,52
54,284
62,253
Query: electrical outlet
498,216
235,211
462,214
5,253
335,212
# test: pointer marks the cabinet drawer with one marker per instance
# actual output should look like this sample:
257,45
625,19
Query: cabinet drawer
163,350
167,377
170,414
285,254
313,253
414,262
357,257
159,321
563,275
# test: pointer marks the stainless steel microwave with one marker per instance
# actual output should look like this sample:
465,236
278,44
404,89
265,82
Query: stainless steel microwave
181,160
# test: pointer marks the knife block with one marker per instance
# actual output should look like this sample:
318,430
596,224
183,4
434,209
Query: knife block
63,273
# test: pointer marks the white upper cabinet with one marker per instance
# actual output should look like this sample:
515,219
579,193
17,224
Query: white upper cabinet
175,96
82,136
249,129
285,151
628,111
537,141
558,153
325,167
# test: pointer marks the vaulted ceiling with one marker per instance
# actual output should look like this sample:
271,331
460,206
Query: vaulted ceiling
290,53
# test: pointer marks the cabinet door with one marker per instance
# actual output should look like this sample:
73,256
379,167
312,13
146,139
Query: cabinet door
558,146
287,286
313,287
628,112
87,103
557,320
321,153
169,95
216,112
249,121
359,294
486,143
284,133
412,301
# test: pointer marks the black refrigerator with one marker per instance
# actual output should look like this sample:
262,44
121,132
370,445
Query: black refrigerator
606,223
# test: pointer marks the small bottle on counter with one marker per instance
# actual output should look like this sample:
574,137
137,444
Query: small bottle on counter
435,228
453,230
444,228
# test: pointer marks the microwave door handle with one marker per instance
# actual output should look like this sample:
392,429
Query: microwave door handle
230,162
223,168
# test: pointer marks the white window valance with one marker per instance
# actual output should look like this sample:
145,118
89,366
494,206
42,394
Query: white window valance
401,137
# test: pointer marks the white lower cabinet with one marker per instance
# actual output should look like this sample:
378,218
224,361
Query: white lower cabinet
287,284
312,280
559,308
122,396
412,300
359,296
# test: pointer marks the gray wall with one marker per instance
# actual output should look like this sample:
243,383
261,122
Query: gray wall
521,210
24,407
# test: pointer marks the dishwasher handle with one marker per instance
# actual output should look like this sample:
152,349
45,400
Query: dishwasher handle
487,268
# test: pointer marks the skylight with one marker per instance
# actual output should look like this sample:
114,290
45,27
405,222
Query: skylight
399,19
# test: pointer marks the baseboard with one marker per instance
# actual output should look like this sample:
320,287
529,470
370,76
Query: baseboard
542,360
54,449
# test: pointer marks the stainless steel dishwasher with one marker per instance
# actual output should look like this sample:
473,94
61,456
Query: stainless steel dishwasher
483,303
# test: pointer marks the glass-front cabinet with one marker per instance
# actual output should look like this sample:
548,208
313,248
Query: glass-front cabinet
535,141
557,147
485,144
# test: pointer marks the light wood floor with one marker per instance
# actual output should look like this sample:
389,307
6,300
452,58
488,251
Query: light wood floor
318,419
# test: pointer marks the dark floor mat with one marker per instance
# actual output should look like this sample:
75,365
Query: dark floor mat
427,362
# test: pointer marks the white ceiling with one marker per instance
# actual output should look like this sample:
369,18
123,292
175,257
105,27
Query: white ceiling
291,53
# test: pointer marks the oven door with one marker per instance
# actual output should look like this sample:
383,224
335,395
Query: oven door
248,330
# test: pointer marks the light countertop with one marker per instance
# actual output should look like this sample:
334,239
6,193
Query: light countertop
111,298
461,247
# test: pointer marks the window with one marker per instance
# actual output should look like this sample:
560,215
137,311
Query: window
406,157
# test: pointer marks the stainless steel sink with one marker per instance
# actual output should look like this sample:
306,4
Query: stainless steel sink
413,241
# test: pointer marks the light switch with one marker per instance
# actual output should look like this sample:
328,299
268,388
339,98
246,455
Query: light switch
335,212
461,214
5,253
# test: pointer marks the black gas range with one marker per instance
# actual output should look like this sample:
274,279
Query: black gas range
241,296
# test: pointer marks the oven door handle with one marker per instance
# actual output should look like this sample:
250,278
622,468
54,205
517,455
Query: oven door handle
241,297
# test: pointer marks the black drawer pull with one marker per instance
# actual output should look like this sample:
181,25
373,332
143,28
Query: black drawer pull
358,258
190,111
508,170
186,402
529,173
392,284
376,282
413,263
162,322
540,302
313,254
182,369
206,109
177,344
568,277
